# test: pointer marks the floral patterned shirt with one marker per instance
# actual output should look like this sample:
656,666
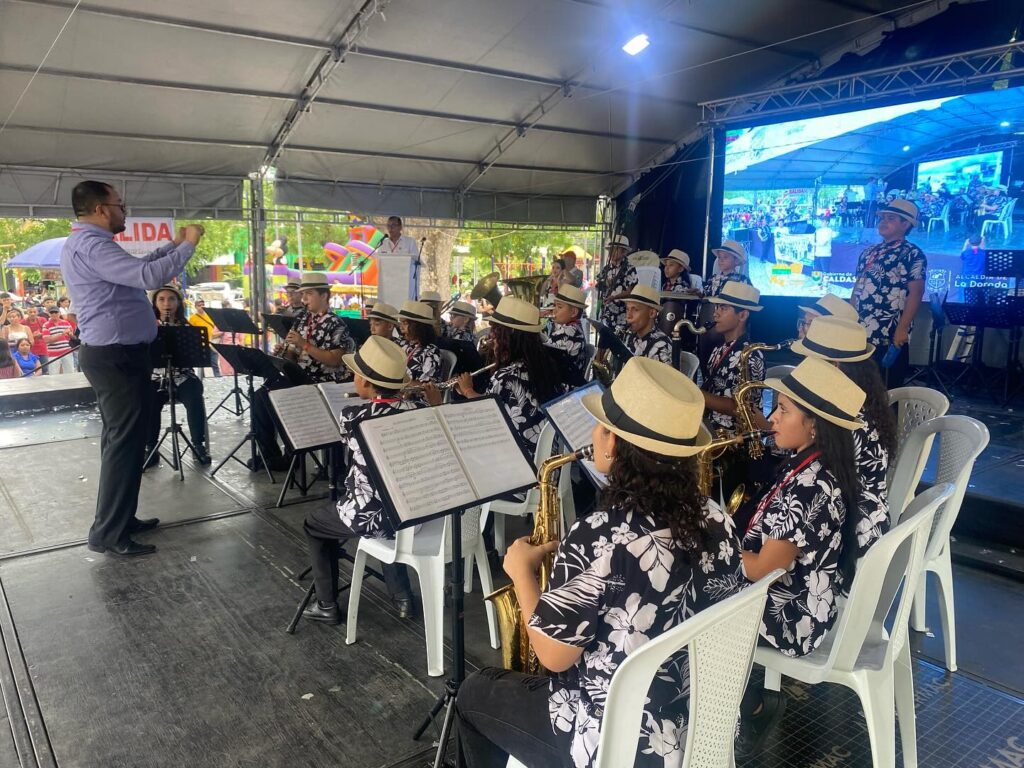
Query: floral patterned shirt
459,334
724,375
611,280
571,339
326,331
681,283
361,508
619,580
424,362
872,462
510,384
717,282
655,345
880,293
804,506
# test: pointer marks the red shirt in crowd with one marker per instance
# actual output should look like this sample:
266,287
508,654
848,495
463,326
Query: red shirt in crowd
38,345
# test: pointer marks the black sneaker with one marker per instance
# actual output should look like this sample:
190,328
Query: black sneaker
756,728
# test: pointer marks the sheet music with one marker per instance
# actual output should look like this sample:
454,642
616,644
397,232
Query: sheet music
340,394
304,416
489,452
417,464
571,419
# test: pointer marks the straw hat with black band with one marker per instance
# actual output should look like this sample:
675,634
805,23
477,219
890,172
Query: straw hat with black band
739,295
679,257
314,281
902,208
835,339
417,312
831,305
654,407
291,285
381,362
732,247
383,311
571,295
645,295
431,296
619,241
463,308
823,389
516,314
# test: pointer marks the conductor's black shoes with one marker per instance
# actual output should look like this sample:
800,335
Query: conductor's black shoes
202,457
328,614
124,548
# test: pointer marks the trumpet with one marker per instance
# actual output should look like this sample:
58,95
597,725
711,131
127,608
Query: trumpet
443,386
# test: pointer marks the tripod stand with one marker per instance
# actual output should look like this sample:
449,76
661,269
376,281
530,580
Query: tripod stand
249,362
456,593
179,347
233,321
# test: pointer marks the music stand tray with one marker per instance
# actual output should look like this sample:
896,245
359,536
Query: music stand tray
233,321
177,346
279,324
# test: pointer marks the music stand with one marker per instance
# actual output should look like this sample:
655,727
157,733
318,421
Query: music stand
609,339
177,346
278,323
358,329
249,362
233,321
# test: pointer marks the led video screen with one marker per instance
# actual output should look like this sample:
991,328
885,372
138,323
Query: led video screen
802,196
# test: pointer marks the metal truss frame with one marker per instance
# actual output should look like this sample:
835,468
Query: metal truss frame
985,66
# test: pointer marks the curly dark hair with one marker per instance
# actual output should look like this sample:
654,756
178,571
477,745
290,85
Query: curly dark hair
876,407
421,333
663,487
836,446
512,346
179,313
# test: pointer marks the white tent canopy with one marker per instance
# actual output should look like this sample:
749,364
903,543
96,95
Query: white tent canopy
510,111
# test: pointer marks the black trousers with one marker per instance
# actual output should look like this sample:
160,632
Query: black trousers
895,374
500,713
325,534
190,394
120,377
262,418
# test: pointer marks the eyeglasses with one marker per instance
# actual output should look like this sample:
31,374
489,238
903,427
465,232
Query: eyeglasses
116,205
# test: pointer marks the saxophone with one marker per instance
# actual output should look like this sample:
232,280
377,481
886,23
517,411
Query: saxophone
677,336
747,396
714,451
516,652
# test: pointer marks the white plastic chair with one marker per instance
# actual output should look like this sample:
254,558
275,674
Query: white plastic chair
689,364
427,551
1004,222
914,406
860,652
961,440
448,360
720,641
502,507
942,218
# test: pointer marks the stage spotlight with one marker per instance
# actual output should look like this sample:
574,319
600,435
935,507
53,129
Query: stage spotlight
906,147
636,44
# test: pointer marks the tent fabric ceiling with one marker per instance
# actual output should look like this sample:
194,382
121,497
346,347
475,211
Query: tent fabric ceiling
428,99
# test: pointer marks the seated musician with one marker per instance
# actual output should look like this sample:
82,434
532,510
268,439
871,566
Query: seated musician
295,306
608,594
729,262
801,524
678,278
416,324
380,372
526,375
169,309
462,323
433,300
316,342
644,339
615,280
383,320
828,305
844,343
567,332
732,315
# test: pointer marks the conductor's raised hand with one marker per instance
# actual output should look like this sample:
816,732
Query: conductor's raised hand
179,236
194,233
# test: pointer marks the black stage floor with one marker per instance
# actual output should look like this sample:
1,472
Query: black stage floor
180,659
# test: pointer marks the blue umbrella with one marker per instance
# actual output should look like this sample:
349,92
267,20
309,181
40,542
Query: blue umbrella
45,255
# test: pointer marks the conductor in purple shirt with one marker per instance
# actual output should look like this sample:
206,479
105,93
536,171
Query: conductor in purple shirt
107,286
